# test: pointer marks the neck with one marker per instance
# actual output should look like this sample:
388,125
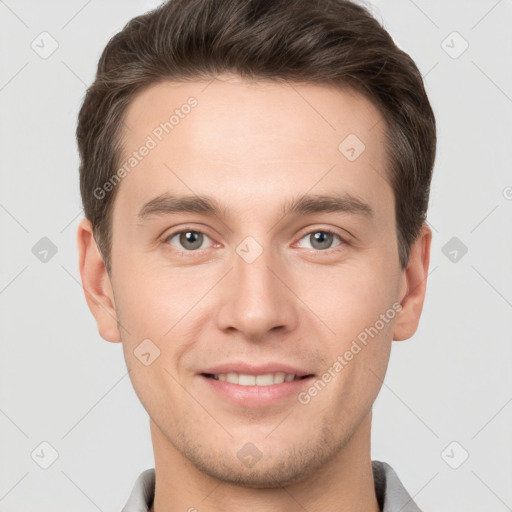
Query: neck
344,484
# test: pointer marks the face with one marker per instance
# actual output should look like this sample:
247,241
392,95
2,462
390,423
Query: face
256,236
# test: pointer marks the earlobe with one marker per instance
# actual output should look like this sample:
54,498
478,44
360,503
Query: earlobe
414,286
96,283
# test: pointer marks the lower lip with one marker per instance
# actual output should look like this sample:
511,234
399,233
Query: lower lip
256,396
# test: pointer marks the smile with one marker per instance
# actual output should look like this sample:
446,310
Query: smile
267,379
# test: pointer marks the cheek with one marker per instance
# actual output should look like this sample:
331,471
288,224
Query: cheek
154,312
152,301
163,306
350,298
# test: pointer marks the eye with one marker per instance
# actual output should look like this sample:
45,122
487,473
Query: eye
321,240
189,239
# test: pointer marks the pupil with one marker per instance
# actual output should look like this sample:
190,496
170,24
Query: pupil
191,239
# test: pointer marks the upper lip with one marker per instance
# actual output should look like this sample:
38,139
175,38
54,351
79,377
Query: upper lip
252,369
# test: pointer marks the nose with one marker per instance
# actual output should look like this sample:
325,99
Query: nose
256,299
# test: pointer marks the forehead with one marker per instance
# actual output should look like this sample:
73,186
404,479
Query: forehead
254,110
218,136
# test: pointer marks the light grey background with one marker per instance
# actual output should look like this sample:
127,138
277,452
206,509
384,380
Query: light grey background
62,384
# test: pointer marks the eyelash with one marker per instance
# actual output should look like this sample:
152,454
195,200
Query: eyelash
186,252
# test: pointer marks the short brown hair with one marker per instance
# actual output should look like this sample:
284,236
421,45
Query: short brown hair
333,42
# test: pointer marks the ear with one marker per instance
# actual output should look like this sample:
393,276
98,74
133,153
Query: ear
414,286
96,283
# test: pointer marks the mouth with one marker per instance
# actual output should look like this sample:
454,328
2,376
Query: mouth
247,384
255,391
267,379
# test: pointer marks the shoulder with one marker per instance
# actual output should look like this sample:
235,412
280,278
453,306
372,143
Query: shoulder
143,493
391,494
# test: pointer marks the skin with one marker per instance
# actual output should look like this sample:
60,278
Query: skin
254,146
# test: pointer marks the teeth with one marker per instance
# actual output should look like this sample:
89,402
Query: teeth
245,380
256,380
264,380
232,377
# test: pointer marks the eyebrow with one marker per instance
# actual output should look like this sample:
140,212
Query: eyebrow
166,204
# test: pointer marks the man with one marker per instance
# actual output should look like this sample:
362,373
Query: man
255,178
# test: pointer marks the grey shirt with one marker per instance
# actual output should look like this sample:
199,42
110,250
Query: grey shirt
391,494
